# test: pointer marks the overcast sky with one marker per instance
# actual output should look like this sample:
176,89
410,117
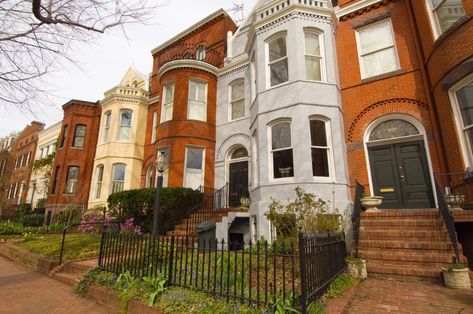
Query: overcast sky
102,64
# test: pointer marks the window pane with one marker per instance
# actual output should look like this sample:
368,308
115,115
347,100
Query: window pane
165,153
119,172
107,119
240,153
277,49
279,72
313,68
320,162
237,91
194,158
465,102
167,113
238,109
125,118
281,135
376,37
449,12
469,134
317,133
73,173
380,62
169,93
80,130
99,173
312,44
196,110
124,133
283,164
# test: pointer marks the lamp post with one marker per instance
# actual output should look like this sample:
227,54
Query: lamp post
157,200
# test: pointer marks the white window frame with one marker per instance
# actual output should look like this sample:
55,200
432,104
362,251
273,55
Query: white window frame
320,34
434,21
107,120
72,185
393,46
168,104
189,101
113,181
98,183
122,127
203,164
329,147
270,150
231,100
466,149
269,63
155,125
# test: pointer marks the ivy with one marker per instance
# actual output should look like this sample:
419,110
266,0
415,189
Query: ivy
45,164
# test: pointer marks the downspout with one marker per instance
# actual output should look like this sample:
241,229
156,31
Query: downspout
428,89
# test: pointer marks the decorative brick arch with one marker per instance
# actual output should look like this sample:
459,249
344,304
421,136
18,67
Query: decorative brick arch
237,138
408,106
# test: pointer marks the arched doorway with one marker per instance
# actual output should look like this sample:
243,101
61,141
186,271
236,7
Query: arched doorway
237,175
398,163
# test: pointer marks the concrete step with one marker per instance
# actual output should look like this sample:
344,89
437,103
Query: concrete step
68,278
82,266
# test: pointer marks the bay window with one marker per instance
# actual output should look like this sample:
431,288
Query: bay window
313,56
167,103
462,99
319,148
281,150
118,177
278,63
71,180
197,105
237,100
124,125
444,13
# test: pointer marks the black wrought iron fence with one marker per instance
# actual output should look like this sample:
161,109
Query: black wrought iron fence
359,190
258,274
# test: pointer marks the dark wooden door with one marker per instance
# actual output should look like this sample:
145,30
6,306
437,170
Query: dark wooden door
238,182
400,174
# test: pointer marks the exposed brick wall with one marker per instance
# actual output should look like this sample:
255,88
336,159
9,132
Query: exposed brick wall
75,112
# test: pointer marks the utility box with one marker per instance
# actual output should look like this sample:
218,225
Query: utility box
206,231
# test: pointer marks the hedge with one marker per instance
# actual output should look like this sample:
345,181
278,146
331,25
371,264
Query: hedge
176,203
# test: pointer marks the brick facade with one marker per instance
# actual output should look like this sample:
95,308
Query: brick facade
76,112
180,132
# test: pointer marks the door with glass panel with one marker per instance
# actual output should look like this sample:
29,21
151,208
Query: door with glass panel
194,167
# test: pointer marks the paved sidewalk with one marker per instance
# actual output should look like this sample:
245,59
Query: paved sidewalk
389,296
25,291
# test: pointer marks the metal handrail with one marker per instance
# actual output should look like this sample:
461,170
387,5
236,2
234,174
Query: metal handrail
359,190
448,220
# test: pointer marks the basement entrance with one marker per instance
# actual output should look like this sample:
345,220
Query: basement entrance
399,166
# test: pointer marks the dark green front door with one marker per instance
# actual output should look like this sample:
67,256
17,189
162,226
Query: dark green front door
400,174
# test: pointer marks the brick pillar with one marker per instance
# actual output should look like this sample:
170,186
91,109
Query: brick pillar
468,6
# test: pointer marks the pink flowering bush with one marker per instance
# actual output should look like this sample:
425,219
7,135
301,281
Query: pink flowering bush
93,221
129,227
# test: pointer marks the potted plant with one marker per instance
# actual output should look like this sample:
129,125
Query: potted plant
456,276
371,203
356,267
245,200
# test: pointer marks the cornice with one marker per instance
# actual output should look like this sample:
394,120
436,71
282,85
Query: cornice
187,63
233,68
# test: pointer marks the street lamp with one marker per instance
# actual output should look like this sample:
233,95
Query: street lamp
157,200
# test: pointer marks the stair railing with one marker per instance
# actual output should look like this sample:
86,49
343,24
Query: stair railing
205,210
355,219
448,219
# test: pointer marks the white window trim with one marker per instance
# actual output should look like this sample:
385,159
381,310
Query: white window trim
323,73
253,77
203,163
466,150
360,57
197,80
329,147
268,63
112,181
155,125
270,151
231,101
171,103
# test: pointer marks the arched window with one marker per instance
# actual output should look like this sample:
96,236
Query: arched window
239,153
200,54
278,63
237,100
124,124
320,149
149,176
281,150
392,129
118,177
313,55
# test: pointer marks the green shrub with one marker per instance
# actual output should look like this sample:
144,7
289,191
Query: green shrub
11,228
341,284
176,203
69,216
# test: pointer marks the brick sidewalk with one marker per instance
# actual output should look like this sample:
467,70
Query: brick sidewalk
389,296
25,291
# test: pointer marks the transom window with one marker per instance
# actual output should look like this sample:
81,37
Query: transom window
313,56
281,150
124,127
168,99
237,100
319,148
393,129
197,106
79,136
118,177
239,153
106,126
464,118
445,13
71,180
376,49
278,63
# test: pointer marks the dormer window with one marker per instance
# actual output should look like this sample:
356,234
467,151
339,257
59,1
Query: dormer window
200,53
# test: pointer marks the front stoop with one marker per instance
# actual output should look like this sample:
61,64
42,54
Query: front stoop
406,244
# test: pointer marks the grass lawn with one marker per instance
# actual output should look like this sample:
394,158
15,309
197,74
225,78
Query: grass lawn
76,246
